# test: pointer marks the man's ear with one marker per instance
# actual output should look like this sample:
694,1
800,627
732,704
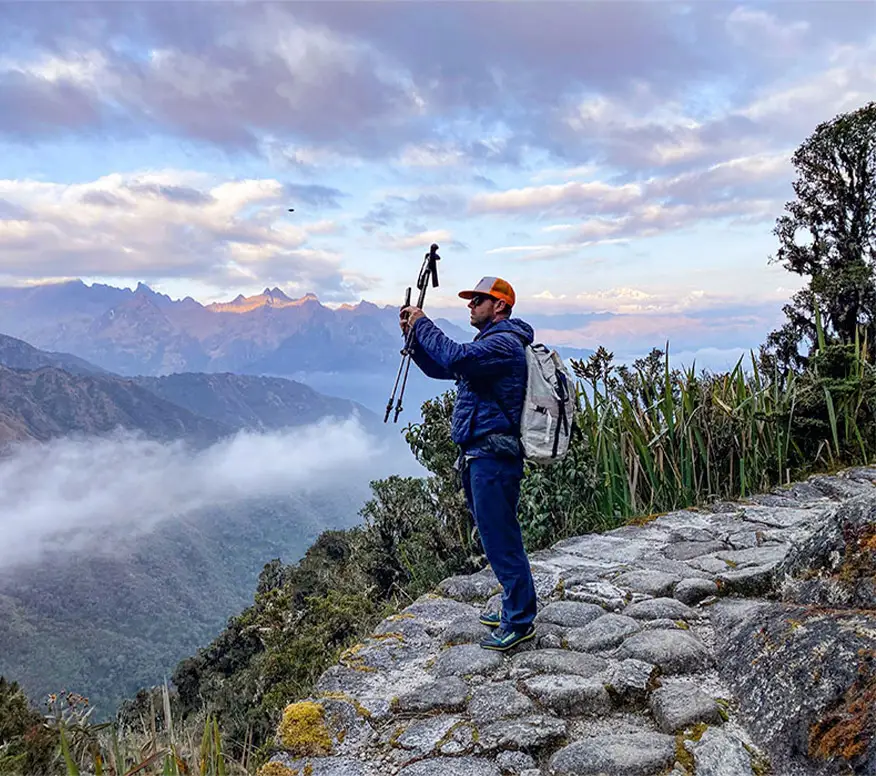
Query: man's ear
500,307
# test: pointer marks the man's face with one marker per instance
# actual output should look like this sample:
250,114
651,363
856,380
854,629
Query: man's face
482,309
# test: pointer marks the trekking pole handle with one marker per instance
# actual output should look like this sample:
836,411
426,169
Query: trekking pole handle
433,259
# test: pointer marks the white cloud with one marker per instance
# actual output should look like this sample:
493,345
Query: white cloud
74,494
419,240
84,68
804,102
171,223
431,155
763,32
578,197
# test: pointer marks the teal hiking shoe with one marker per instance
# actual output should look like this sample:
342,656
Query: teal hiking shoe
491,619
501,640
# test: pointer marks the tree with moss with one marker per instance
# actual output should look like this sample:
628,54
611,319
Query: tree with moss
828,235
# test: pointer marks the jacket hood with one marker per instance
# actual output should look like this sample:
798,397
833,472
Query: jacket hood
516,325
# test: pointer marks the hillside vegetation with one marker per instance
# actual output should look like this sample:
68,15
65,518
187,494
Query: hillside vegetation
651,439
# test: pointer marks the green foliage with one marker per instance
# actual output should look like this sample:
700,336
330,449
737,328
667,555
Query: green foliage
26,745
828,235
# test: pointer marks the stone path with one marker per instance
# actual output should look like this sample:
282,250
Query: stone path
622,680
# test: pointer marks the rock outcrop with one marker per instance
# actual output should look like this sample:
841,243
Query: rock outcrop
733,640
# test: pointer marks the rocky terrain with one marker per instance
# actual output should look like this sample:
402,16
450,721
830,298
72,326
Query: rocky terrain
733,640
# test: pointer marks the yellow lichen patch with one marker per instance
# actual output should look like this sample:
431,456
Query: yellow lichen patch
303,731
760,765
350,659
275,769
682,624
402,616
391,635
849,729
682,756
645,519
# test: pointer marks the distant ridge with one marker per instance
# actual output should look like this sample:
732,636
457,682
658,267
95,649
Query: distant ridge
44,395
48,402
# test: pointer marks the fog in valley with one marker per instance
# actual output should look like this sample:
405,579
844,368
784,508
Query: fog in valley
78,494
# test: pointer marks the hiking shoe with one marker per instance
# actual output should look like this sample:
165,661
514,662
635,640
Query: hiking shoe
491,619
501,640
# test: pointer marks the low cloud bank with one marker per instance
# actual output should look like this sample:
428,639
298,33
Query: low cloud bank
71,494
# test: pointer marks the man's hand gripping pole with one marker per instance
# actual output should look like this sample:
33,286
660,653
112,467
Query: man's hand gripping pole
428,272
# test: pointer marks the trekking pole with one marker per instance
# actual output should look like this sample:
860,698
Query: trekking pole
428,272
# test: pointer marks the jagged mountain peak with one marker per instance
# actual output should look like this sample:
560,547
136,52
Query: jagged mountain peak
270,297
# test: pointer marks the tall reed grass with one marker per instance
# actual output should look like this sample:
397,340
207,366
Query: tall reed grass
158,747
662,439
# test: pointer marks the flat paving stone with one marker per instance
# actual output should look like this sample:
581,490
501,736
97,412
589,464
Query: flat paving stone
423,736
568,695
692,591
630,754
660,608
556,661
498,701
676,707
528,733
452,766
605,633
673,651
322,766
570,614
465,660
688,550
463,630
630,681
467,588
435,613
447,694
656,583
719,754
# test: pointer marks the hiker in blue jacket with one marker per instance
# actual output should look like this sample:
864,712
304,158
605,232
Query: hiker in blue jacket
490,375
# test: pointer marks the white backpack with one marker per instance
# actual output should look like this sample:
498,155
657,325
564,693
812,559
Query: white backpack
549,407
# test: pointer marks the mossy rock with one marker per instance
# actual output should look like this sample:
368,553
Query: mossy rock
303,731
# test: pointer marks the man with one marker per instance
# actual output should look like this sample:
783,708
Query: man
490,375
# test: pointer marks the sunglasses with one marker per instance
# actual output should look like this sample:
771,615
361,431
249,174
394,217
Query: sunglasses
478,299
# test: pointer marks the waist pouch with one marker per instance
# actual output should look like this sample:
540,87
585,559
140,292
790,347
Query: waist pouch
494,446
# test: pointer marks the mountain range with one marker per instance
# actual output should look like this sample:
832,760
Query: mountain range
351,351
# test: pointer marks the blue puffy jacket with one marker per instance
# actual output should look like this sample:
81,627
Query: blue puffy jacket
490,375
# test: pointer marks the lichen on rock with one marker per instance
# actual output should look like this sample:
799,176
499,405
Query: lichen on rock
303,731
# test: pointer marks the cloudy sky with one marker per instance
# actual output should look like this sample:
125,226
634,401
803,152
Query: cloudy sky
604,157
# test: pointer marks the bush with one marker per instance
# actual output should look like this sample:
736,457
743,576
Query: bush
27,745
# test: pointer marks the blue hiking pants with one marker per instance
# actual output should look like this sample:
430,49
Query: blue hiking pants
492,490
